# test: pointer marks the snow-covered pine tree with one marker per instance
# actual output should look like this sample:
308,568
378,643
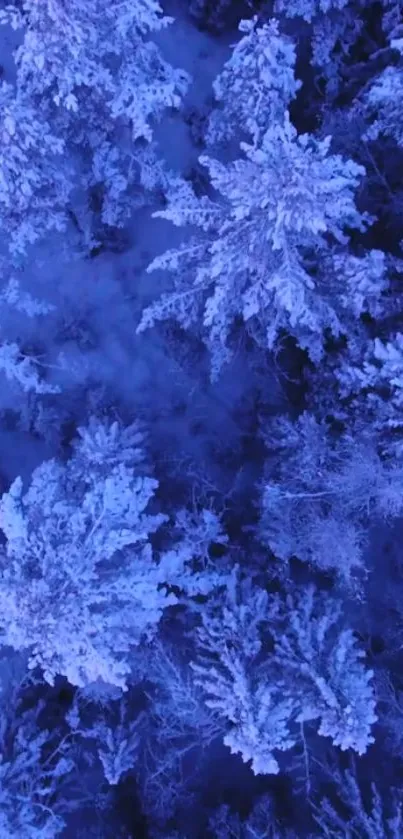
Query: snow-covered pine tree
261,822
236,685
321,494
381,103
370,386
285,203
80,583
314,673
256,84
102,80
379,816
34,187
321,667
74,540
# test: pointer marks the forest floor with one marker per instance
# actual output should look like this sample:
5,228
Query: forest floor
90,337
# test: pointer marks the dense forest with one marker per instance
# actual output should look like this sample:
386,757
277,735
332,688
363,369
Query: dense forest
201,419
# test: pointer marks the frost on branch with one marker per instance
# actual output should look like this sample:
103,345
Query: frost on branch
261,822
67,52
314,673
334,26
321,665
372,385
287,198
196,532
34,772
16,298
176,732
342,26
34,187
117,741
364,279
23,370
383,105
100,446
80,584
256,85
321,494
103,82
308,9
236,685
357,815
117,751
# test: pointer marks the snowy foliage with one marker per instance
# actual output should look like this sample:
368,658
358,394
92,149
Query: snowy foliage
372,385
178,730
376,819
174,688
314,673
383,104
68,53
197,532
216,594
333,39
364,278
321,663
117,751
228,672
59,597
34,187
322,493
334,28
308,9
32,774
14,296
260,823
23,370
79,582
102,81
255,86
101,446
286,197
117,743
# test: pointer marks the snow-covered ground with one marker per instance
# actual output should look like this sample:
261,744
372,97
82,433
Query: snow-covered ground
90,337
